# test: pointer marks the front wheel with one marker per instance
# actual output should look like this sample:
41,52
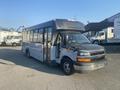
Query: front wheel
28,53
67,67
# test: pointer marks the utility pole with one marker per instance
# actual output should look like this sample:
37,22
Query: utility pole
20,27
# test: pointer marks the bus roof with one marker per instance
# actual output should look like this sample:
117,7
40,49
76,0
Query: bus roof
60,24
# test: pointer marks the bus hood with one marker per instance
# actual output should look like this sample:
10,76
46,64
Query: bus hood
90,47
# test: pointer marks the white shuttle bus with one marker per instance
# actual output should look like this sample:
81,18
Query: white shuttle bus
60,42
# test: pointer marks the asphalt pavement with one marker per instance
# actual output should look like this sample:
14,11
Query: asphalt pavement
17,72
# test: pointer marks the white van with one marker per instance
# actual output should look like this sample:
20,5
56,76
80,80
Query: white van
13,40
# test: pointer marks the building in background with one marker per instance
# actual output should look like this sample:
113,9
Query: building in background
93,28
106,31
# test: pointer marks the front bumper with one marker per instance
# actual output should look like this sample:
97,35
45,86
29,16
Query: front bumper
86,67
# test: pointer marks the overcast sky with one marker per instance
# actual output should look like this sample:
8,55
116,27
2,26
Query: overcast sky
14,13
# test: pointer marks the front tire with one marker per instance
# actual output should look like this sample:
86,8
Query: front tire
67,66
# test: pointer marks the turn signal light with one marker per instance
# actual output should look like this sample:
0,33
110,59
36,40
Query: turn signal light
84,60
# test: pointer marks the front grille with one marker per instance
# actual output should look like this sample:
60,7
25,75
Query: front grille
99,58
97,53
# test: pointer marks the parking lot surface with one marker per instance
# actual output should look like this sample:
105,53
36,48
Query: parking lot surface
17,72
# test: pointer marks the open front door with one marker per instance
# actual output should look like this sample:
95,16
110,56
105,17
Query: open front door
58,45
47,44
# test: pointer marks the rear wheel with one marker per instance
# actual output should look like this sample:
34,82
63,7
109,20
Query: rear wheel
28,53
67,66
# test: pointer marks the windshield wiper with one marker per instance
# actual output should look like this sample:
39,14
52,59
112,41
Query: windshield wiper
86,43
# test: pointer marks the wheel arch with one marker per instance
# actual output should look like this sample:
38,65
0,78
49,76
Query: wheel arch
26,50
67,58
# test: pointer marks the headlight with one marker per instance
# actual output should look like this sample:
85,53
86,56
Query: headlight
83,53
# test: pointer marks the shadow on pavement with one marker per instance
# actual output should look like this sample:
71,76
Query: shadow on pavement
18,58
112,49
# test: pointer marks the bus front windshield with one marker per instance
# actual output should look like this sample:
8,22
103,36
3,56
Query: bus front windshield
76,38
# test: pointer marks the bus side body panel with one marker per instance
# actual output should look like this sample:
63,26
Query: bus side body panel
53,53
35,49
69,53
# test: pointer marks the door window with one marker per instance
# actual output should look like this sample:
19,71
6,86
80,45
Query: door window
101,34
47,43
35,36
58,45
40,36
49,35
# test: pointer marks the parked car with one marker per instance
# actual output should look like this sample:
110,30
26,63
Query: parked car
13,40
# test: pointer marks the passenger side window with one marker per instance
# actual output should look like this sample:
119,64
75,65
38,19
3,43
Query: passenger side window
49,35
31,36
35,35
40,36
28,36
112,31
101,34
